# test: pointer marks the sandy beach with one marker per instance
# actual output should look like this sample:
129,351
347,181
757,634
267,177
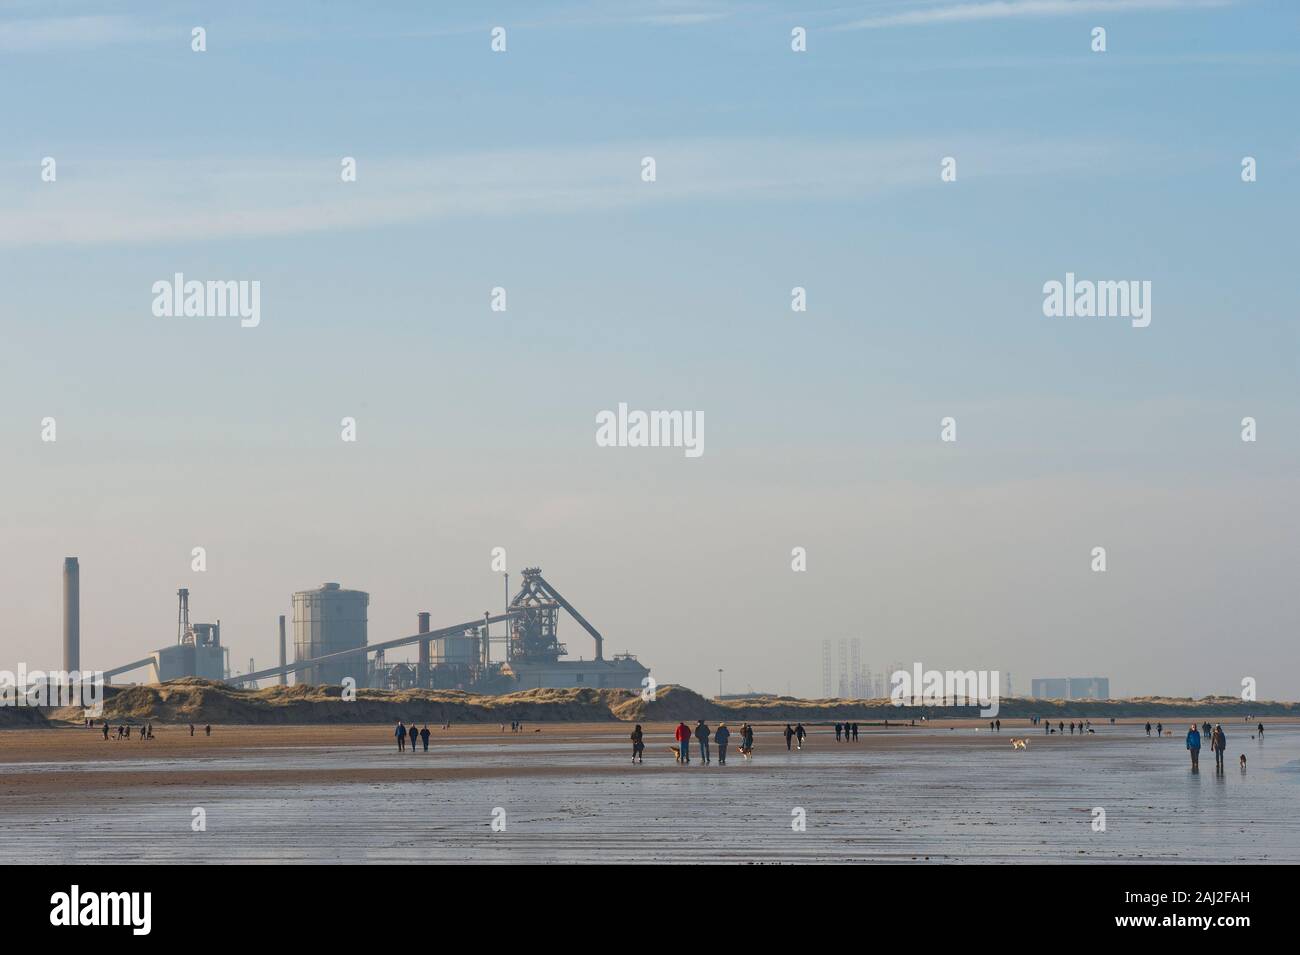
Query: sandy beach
942,792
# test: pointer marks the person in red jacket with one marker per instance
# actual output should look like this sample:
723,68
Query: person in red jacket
683,737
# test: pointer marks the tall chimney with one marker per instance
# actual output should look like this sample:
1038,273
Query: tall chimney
284,675
422,665
71,615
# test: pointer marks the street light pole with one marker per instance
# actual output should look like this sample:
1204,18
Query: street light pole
719,682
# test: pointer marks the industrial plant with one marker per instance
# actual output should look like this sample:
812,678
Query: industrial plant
331,646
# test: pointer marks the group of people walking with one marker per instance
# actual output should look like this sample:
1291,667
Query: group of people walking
1218,743
848,730
403,733
1083,726
123,731
721,738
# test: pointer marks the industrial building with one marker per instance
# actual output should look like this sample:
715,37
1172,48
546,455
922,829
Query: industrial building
197,652
533,651
331,645
461,657
1071,688
327,620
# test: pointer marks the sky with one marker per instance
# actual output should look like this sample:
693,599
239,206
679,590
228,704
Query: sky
774,169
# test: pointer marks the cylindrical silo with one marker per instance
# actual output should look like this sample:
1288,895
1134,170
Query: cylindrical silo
327,620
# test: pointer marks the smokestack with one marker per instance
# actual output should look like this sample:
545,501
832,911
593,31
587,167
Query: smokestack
284,676
422,666
71,615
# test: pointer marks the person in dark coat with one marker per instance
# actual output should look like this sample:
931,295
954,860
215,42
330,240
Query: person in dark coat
789,735
424,736
400,733
638,744
414,734
702,736
721,737
1218,743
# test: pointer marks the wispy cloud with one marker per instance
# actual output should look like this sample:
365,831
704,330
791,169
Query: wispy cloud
1010,9
41,34
178,200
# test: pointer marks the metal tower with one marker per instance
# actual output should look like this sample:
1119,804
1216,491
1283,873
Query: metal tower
182,615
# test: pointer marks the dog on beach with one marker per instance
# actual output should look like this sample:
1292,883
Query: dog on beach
1019,743
1243,761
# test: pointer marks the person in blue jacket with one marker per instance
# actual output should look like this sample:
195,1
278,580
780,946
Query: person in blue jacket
1194,746
721,737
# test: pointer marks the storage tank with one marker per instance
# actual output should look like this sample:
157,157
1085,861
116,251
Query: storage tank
327,620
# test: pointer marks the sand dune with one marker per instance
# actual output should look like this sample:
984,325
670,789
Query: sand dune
193,700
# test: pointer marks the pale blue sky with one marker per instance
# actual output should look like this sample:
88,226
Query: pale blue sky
775,169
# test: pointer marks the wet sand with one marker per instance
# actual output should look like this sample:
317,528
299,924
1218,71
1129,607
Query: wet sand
570,794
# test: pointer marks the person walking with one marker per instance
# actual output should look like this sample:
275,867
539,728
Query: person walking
789,735
400,733
799,734
838,727
414,734
683,737
1194,747
105,729
747,740
855,731
638,744
702,737
1260,730
424,736
1148,727
998,723
721,737
1218,743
